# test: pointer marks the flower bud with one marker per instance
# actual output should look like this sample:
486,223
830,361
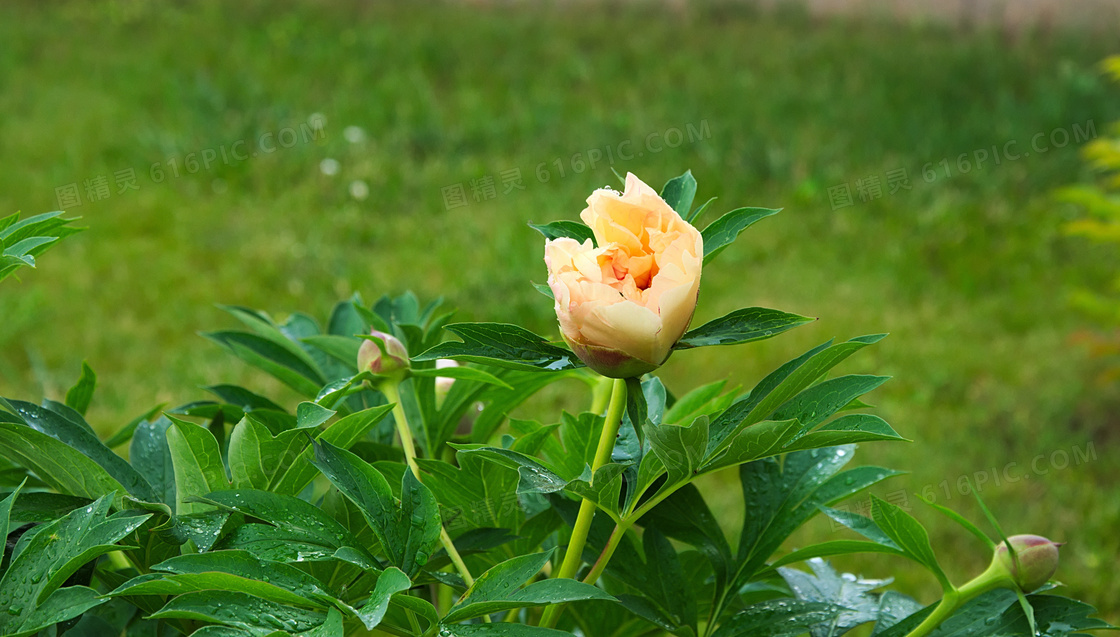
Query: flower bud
443,383
372,359
1038,560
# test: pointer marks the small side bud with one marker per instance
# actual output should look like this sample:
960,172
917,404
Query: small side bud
372,358
1038,560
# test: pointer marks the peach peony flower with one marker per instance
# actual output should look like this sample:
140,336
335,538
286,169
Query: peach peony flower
624,304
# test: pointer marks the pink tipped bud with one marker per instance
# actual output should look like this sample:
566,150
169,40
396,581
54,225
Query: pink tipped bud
1038,560
372,359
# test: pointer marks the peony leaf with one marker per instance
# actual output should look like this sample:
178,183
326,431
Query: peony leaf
561,229
679,192
502,345
742,326
409,530
78,397
721,232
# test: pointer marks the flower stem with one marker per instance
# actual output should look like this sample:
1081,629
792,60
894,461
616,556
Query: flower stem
391,389
622,527
573,557
600,564
600,394
954,598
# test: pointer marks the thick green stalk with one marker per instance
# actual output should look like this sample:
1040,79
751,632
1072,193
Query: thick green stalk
573,557
600,394
391,389
994,577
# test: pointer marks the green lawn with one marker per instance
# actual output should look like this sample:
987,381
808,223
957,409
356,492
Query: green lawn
967,272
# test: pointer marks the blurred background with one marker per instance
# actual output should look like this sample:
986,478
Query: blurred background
284,156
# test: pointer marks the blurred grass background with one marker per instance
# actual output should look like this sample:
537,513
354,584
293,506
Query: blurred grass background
968,272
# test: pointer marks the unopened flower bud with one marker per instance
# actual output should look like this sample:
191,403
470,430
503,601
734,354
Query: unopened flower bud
1038,560
372,359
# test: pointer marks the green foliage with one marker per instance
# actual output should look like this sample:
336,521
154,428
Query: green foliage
23,240
263,515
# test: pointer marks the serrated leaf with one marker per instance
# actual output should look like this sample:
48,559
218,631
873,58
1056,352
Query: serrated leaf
741,326
502,345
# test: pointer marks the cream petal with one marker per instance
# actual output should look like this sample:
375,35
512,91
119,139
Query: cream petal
642,195
627,327
675,306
